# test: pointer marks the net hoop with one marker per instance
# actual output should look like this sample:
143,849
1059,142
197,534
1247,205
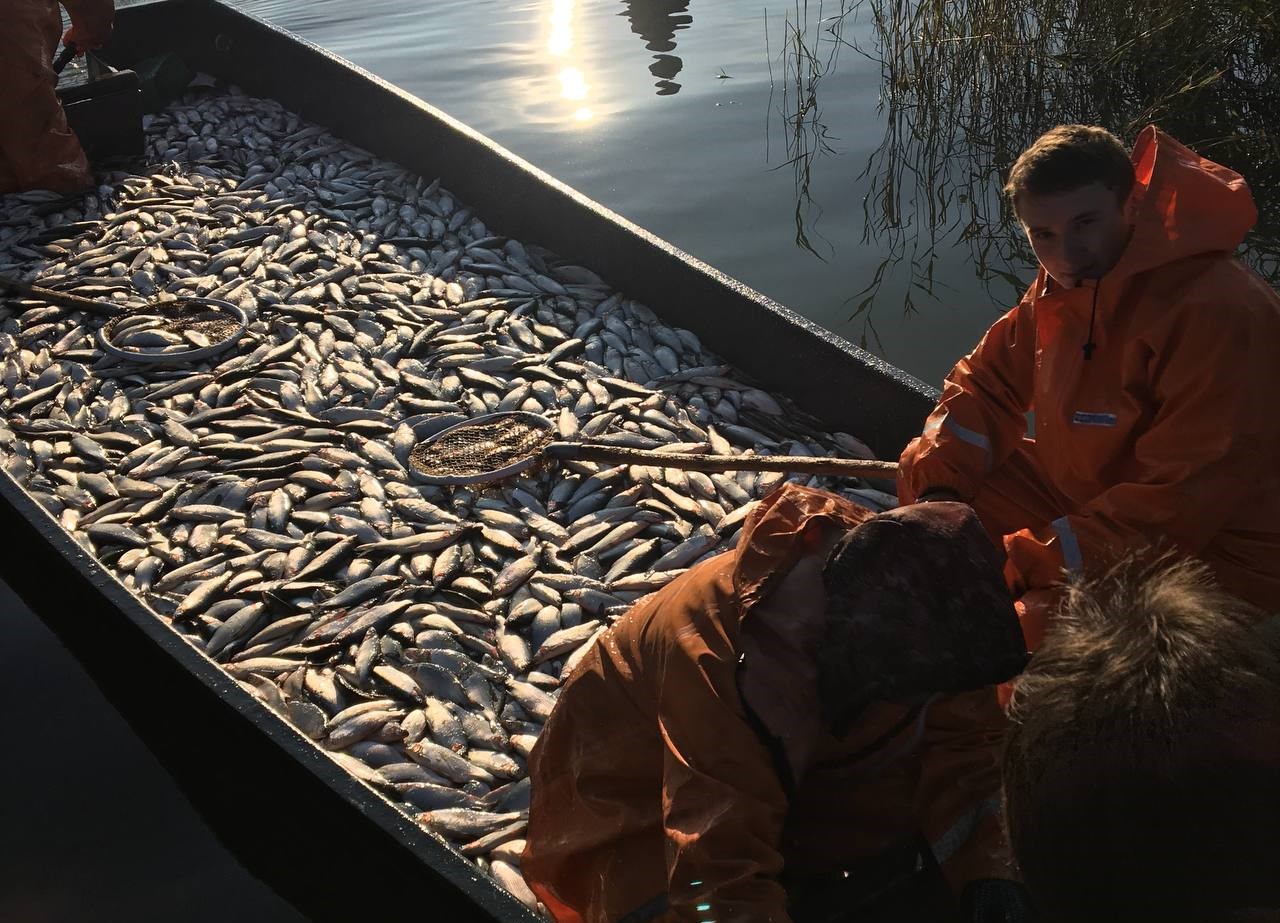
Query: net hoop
232,314
427,467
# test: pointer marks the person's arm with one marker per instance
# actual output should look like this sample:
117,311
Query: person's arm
1207,451
91,22
981,417
723,802
958,791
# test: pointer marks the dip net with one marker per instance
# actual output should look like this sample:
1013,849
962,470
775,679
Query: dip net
481,450
170,327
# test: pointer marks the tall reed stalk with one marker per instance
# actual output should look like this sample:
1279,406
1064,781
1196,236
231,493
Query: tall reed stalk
811,45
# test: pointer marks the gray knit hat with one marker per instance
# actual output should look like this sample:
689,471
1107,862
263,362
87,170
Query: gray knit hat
916,605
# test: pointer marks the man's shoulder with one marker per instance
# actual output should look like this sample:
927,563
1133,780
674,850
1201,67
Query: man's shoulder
1213,292
1216,277
695,603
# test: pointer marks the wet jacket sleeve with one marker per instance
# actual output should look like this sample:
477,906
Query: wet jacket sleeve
958,793
1202,456
723,804
981,417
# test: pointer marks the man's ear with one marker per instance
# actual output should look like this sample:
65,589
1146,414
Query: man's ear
1131,206
815,532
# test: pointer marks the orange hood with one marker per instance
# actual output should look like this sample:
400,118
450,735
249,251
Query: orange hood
1187,205
773,537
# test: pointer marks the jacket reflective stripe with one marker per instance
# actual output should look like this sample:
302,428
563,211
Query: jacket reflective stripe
1071,557
964,434
946,846
1094,418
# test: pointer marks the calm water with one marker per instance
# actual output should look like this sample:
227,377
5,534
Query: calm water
624,100
94,828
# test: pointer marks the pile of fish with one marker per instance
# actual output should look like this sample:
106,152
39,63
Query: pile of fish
261,501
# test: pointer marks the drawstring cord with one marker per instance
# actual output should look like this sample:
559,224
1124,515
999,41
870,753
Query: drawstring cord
1089,345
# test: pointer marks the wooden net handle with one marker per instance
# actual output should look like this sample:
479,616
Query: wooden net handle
844,467
63,299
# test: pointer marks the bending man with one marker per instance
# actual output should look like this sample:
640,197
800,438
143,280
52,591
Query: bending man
793,730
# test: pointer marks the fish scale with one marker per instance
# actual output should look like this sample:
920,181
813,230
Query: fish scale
260,499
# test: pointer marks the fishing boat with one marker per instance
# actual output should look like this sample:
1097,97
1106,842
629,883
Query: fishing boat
325,840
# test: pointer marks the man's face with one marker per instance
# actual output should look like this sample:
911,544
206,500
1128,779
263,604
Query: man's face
1078,234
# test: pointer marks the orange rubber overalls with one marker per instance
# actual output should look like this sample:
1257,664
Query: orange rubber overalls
1168,433
37,148
654,798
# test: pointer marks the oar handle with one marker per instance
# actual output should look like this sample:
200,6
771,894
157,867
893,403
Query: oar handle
844,467
64,299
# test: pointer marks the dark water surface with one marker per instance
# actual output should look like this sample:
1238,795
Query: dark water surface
92,827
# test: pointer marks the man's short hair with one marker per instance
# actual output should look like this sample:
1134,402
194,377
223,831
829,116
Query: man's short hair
1068,157
1142,764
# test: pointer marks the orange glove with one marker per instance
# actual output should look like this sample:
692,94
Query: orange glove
1035,609
90,24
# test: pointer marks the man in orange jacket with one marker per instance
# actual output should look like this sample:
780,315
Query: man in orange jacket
1146,351
790,731
37,148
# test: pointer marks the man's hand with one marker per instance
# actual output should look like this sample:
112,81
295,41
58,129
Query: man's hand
86,36
1035,611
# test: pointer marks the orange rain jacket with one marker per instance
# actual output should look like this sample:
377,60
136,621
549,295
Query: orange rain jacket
1168,432
649,782
37,148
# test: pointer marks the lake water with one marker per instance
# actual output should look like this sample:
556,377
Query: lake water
681,115
95,828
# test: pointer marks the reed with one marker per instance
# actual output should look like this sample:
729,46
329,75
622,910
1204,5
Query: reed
810,49
966,84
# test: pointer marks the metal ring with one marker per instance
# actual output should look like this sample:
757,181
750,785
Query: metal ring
188,356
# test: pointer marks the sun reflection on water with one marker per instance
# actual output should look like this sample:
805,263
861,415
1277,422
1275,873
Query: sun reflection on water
573,85
561,27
